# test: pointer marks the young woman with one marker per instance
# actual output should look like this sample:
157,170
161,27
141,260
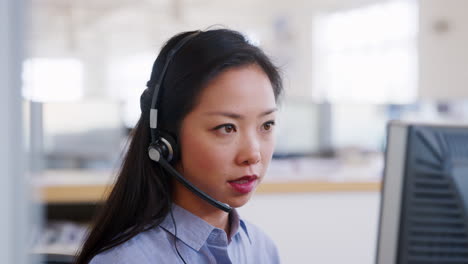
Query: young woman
201,147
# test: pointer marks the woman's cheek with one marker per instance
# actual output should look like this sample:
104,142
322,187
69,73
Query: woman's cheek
268,147
208,156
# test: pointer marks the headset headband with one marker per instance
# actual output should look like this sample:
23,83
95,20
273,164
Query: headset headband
154,102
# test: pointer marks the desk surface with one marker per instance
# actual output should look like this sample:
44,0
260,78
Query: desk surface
96,193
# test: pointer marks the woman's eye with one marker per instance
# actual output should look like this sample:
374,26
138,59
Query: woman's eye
226,128
229,128
268,125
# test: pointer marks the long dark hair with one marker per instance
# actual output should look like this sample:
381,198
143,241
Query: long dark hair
142,195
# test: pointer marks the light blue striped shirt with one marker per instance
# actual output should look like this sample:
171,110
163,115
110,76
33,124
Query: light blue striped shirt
197,242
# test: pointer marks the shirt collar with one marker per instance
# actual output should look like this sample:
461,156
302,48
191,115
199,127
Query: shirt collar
235,223
194,231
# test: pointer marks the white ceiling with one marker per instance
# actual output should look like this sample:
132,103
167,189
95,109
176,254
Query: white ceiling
59,27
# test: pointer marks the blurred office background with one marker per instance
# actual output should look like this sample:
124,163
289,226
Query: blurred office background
348,67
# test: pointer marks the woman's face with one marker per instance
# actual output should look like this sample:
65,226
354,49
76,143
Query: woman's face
227,140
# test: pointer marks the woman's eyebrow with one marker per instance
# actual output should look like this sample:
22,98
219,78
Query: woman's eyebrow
268,112
238,116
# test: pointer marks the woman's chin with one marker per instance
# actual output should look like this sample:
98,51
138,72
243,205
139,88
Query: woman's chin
239,201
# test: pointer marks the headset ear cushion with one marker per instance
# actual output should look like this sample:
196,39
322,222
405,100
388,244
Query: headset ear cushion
170,139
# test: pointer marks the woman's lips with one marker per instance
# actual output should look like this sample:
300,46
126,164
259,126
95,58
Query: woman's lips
244,184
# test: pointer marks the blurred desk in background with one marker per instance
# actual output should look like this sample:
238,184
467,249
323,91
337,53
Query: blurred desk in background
96,193
76,193
317,186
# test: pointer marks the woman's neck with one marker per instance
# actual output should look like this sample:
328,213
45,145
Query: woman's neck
199,207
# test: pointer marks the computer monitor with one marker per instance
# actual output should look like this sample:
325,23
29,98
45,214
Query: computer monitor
424,206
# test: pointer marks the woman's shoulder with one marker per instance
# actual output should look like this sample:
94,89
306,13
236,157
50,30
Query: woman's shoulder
257,235
261,242
140,249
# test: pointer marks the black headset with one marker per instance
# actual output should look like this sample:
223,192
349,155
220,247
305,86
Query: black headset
163,147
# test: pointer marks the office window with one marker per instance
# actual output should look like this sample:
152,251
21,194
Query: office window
53,79
367,54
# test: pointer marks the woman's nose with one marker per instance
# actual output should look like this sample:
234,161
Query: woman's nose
249,152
